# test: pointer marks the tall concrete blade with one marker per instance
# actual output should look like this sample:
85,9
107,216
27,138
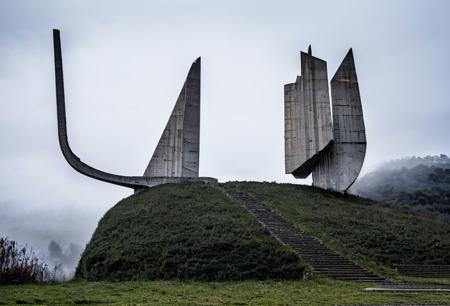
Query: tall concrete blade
177,152
340,168
72,159
308,126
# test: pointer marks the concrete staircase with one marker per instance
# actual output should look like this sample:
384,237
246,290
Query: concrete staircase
324,261
424,270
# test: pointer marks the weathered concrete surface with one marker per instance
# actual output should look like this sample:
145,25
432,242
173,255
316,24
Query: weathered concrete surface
177,152
340,167
135,182
308,126
332,150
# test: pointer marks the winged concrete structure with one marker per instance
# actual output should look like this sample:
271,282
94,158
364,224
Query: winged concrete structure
332,148
176,158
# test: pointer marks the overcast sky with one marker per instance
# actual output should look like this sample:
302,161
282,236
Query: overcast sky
125,63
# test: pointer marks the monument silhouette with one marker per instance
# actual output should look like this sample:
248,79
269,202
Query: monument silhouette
331,147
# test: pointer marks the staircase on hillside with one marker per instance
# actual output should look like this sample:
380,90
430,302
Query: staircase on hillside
324,261
424,270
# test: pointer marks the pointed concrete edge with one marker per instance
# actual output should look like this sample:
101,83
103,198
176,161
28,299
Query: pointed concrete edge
347,67
160,163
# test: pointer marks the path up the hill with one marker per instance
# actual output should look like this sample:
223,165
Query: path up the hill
324,261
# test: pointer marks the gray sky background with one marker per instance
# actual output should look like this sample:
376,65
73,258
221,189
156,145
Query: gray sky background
125,63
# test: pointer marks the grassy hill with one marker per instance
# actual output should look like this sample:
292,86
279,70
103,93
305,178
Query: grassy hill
194,231
358,228
185,231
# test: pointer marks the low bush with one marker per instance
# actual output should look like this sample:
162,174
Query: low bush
19,264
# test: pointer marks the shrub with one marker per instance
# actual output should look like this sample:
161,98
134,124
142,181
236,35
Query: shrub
21,265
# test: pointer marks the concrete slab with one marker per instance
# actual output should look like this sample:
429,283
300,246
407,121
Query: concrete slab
375,289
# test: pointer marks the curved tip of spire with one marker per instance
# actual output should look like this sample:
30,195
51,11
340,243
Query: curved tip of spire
56,34
309,50
196,65
194,71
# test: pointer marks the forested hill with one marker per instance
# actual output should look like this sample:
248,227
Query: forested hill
418,183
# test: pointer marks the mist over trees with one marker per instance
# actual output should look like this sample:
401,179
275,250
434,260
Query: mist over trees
65,260
418,183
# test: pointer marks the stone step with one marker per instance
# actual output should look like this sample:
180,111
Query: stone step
424,270
344,272
331,268
359,279
320,258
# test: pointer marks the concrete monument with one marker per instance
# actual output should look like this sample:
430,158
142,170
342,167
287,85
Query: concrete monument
333,150
176,158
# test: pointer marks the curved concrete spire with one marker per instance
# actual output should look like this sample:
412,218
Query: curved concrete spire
341,167
135,182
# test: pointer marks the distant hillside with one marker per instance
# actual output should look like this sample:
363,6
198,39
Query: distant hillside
440,161
358,228
184,231
421,184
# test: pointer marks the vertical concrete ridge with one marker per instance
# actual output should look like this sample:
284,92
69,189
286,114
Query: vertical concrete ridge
308,126
177,152
323,260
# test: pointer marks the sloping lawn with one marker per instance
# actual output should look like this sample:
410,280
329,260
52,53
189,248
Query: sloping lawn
308,292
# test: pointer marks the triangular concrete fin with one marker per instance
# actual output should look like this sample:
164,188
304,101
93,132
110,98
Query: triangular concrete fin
177,152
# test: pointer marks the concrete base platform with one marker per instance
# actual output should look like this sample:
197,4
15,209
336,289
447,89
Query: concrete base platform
407,289
155,181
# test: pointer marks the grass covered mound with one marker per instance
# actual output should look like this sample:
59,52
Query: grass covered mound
358,228
184,231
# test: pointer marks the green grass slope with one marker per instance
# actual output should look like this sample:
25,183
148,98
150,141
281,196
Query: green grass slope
358,228
305,292
185,231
